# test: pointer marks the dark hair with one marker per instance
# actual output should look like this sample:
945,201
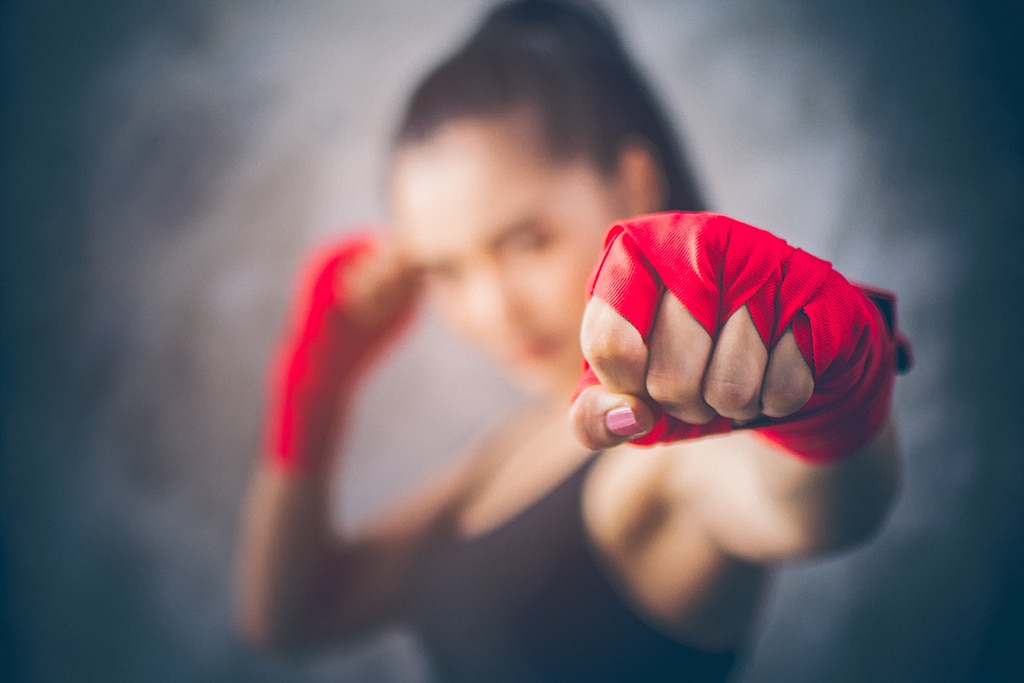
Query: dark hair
565,62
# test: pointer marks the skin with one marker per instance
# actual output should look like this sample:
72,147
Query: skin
502,238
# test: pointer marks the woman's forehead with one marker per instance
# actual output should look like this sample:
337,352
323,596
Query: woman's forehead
491,148
472,178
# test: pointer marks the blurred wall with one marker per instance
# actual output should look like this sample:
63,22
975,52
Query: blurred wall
166,164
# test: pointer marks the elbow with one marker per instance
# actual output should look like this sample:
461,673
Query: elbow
260,631
256,635
276,642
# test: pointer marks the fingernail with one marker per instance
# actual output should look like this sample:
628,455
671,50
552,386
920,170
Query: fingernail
622,422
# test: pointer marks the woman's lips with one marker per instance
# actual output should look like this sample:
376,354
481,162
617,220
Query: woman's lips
534,351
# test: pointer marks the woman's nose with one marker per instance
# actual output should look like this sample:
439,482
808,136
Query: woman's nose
492,302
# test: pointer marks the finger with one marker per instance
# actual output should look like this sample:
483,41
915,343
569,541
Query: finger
602,419
614,349
732,385
788,381
377,286
679,351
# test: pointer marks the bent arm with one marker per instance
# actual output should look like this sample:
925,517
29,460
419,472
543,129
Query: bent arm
301,586
298,584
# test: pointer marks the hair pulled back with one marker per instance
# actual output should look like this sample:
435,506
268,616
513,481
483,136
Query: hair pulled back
563,61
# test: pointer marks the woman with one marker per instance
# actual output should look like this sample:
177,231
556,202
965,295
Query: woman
557,552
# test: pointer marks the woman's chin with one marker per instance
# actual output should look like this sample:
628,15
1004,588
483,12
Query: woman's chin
548,380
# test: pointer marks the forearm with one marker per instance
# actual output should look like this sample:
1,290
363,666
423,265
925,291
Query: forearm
284,543
766,505
833,506
298,583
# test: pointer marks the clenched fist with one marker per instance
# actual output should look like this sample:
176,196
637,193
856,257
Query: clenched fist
698,324
353,298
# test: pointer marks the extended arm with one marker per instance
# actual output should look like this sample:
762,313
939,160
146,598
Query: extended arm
701,325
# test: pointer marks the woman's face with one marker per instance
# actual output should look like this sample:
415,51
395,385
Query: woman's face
506,238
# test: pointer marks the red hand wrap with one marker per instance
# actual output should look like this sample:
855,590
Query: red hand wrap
714,265
318,361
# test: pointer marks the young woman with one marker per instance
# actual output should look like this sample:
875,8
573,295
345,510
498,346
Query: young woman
560,551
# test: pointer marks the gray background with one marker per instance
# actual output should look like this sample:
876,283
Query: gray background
165,165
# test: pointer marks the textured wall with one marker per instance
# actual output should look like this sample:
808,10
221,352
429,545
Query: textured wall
166,164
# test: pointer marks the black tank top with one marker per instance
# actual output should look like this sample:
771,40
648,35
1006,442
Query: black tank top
528,601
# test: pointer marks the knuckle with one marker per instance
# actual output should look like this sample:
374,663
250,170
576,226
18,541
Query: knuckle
605,347
786,397
694,413
732,397
672,392
776,405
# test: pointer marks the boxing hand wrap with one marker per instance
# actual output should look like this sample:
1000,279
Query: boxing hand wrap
315,367
715,265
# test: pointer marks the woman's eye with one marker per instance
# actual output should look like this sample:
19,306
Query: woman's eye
529,241
441,273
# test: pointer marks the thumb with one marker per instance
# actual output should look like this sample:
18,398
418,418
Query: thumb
602,419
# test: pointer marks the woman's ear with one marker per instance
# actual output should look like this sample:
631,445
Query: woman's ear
640,178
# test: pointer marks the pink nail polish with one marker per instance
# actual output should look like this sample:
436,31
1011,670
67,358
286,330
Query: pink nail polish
622,422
